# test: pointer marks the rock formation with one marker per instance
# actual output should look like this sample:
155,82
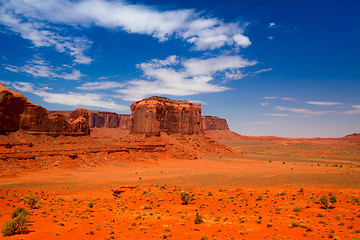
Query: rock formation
214,123
99,119
12,104
80,121
154,115
18,113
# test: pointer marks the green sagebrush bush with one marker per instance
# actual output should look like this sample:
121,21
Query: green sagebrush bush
17,224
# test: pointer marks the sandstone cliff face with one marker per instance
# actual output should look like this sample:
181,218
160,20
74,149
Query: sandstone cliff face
100,119
154,115
80,121
18,113
214,123
12,104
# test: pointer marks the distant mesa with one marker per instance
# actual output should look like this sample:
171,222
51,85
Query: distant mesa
18,113
154,115
99,119
214,123
150,116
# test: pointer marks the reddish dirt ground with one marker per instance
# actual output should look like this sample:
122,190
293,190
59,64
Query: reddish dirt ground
253,193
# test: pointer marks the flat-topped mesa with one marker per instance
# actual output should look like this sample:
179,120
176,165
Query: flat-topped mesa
154,115
214,123
18,113
100,119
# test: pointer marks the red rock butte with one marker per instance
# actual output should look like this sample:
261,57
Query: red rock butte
154,115
214,123
18,113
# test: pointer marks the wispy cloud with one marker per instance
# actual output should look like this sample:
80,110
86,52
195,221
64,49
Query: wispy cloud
176,76
21,17
39,21
272,25
38,67
257,123
267,97
264,103
325,103
303,111
278,115
107,77
101,85
354,111
289,99
69,98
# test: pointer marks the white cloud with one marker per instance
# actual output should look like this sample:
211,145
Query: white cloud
325,103
17,16
267,97
107,77
38,67
288,99
264,103
278,115
354,111
208,66
272,25
69,98
38,22
182,77
257,123
101,85
303,111
234,75
270,37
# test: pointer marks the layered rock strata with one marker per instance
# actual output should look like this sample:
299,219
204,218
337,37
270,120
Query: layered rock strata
99,119
18,113
154,115
214,123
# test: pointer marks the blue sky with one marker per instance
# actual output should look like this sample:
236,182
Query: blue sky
283,68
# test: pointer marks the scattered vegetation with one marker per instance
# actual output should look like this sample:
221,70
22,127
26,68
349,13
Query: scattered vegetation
324,201
198,219
186,197
33,201
17,224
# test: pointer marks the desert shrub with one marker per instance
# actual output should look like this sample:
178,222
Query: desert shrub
294,224
282,193
204,237
91,205
198,219
355,200
165,236
145,207
186,197
324,201
259,198
332,198
17,224
32,201
297,209
18,211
